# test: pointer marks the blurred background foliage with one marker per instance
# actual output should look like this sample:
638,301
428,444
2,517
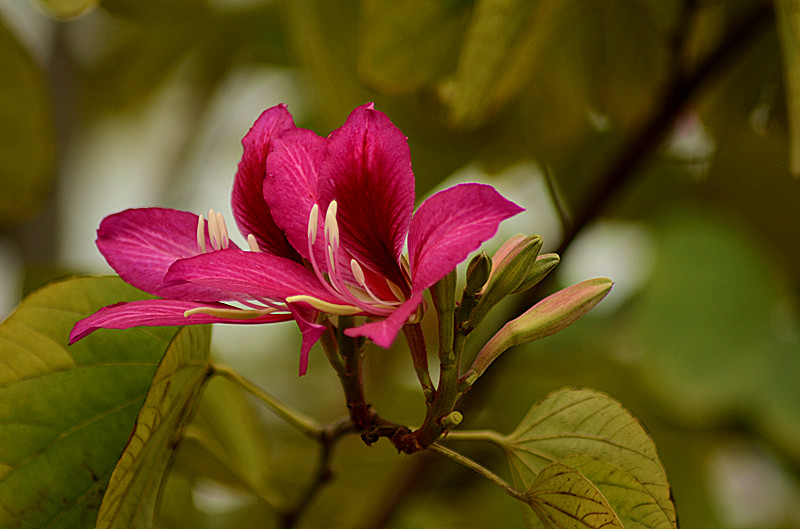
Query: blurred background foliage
652,141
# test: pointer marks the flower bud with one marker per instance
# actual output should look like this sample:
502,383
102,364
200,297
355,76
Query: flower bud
478,272
511,267
547,317
543,265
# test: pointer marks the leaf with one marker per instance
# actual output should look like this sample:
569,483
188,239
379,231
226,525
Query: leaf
562,497
27,133
66,8
788,22
586,422
228,441
497,44
405,46
132,496
633,503
66,412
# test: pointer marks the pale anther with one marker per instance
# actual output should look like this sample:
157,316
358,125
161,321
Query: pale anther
331,226
212,229
358,272
252,243
313,219
201,234
223,231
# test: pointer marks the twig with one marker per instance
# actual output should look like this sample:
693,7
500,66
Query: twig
323,474
654,129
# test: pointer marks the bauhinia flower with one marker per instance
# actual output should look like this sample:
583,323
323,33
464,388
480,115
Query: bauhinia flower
326,221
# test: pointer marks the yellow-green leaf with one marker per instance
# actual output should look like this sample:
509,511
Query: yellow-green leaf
582,421
407,45
135,486
66,412
633,503
788,15
562,497
27,134
66,8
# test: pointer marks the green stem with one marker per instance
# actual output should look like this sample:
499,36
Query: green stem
323,474
419,355
480,469
351,351
488,436
306,425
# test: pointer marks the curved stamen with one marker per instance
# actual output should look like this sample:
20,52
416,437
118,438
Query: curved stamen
358,273
325,306
232,314
313,221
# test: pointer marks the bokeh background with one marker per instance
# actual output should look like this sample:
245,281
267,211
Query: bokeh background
651,141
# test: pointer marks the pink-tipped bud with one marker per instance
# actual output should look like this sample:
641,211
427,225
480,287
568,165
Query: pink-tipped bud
547,317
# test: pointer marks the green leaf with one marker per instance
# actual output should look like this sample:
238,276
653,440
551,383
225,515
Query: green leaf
636,506
788,18
66,412
136,484
228,441
66,8
562,497
27,134
498,47
582,421
407,45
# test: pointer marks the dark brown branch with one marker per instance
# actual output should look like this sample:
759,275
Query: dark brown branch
651,134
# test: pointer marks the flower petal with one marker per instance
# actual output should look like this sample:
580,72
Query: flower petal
141,244
383,332
155,312
367,170
451,224
252,274
251,212
310,330
290,187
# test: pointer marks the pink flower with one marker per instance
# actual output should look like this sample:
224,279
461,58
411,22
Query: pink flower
326,220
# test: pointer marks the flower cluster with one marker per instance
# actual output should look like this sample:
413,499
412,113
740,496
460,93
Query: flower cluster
326,221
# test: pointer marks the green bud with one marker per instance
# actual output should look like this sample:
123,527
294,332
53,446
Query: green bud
547,317
511,267
543,265
451,420
477,273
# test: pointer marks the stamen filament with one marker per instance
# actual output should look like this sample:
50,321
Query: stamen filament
325,306
232,314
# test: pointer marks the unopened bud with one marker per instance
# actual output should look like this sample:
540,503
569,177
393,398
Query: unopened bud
547,317
477,273
451,420
543,265
511,266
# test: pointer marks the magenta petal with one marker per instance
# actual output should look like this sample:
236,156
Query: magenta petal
155,312
141,245
290,187
250,274
311,331
367,170
450,225
252,214
383,332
